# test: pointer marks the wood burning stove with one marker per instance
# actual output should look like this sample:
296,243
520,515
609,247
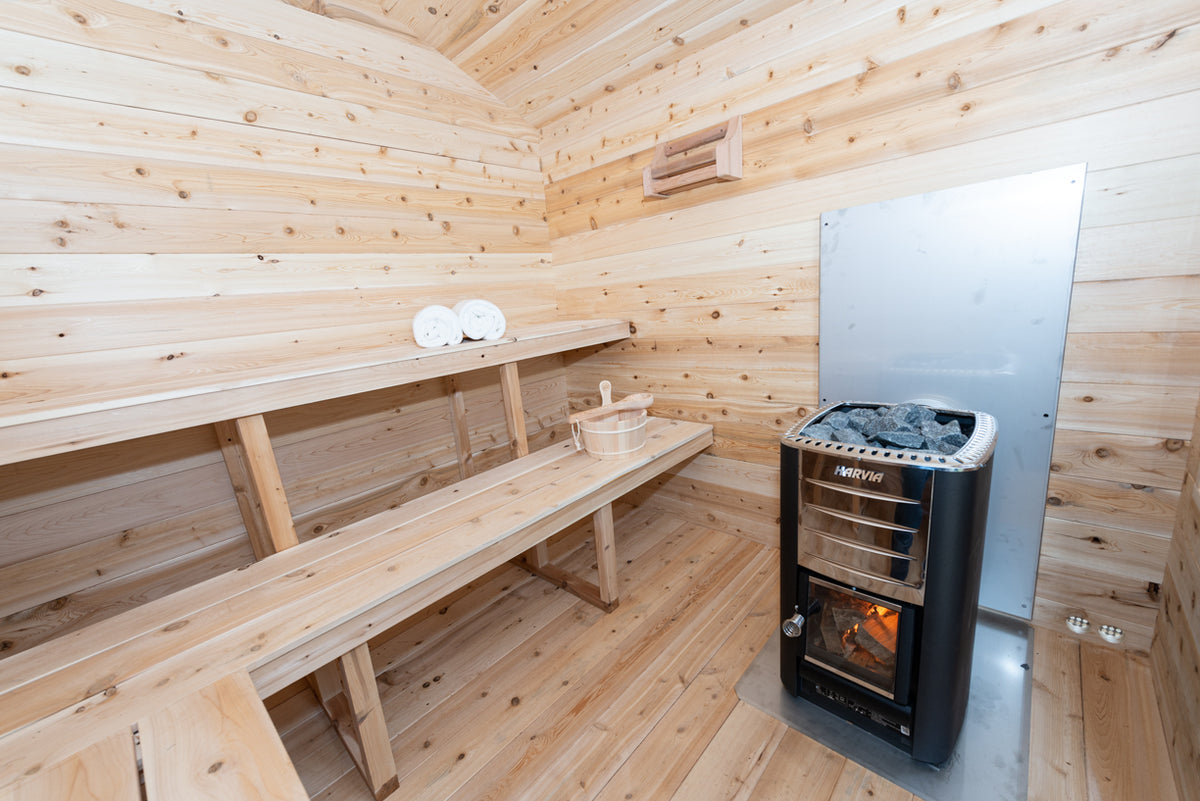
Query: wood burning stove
883,508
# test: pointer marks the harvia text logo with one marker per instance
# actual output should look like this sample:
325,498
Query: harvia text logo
858,472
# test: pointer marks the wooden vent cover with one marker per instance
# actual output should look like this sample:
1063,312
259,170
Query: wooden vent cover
699,159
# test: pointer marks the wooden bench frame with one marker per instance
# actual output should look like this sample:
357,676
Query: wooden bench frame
308,609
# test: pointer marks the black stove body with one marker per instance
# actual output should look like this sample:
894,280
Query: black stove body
881,550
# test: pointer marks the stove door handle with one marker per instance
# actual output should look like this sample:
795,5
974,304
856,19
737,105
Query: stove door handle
794,625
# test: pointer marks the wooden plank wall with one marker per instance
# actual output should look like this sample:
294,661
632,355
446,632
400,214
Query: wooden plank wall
1176,649
194,188
846,104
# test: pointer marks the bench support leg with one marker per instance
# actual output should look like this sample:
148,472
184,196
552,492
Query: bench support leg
603,594
606,554
514,419
350,695
458,425
254,474
346,687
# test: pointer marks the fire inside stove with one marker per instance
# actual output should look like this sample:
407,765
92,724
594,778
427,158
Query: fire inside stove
870,641
856,636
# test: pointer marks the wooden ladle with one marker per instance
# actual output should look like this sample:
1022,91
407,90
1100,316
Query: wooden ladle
638,400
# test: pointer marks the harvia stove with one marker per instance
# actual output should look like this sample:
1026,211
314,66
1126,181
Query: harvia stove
883,508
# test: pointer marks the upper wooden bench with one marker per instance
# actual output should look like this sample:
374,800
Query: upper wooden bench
303,609
35,423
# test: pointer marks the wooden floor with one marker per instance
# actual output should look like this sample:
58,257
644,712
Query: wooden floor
516,690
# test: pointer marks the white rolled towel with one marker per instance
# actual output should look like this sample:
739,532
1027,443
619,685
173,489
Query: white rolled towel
435,326
480,319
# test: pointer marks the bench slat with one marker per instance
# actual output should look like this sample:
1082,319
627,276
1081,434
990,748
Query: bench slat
217,743
104,771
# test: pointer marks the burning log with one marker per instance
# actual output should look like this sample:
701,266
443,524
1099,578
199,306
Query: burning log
877,634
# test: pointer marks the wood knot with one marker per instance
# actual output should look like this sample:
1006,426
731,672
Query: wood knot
1053,501
250,116
216,766
1164,39
954,82
1102,453
1087,399
21,69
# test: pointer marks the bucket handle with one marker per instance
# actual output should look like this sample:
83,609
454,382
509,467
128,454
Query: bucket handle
575,435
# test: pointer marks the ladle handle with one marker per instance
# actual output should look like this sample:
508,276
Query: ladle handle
638,400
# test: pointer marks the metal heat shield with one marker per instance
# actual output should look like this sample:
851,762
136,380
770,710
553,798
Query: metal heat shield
959,298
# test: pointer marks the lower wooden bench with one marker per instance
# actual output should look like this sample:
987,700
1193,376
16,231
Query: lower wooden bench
282,618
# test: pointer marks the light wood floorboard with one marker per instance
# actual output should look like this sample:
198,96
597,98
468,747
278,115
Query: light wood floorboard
514,689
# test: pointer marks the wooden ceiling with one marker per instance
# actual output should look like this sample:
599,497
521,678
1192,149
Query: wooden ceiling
549,58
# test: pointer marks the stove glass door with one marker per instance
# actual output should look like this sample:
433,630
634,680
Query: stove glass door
853,635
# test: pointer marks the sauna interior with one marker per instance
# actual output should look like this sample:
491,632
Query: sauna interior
244,517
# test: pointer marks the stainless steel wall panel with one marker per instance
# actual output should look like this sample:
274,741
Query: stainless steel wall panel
959,298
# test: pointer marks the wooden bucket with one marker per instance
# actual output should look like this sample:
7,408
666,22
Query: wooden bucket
613,436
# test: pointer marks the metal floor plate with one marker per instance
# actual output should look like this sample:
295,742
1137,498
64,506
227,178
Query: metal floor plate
990,761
